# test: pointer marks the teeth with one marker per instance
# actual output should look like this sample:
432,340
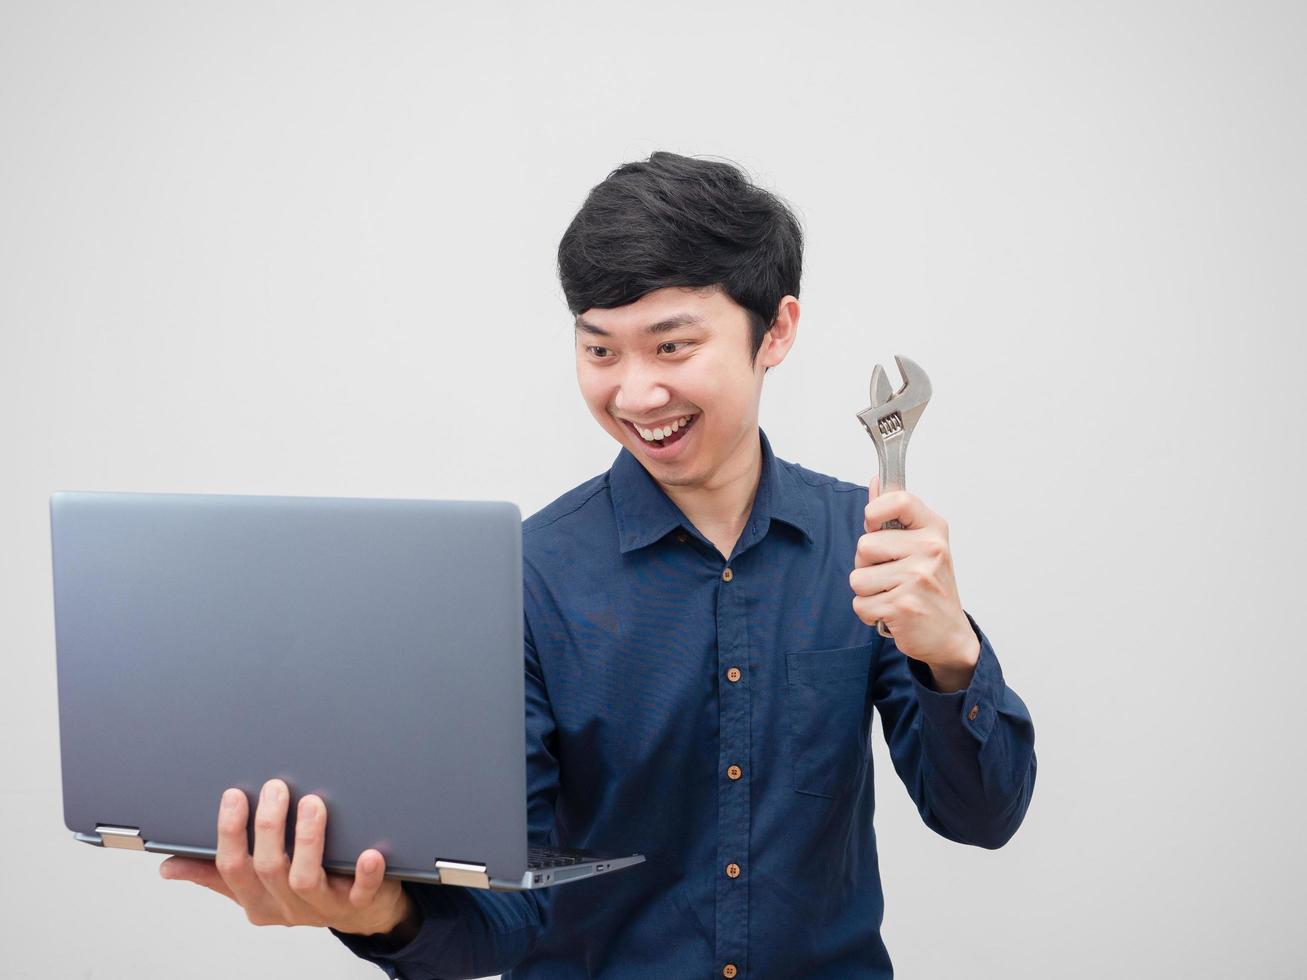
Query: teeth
649,435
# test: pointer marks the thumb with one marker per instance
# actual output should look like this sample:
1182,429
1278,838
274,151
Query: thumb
873,491
199,870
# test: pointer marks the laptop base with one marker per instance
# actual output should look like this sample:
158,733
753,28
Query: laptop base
546,866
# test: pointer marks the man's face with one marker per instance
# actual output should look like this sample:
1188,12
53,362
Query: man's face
674,354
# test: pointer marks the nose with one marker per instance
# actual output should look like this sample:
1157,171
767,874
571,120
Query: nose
640,392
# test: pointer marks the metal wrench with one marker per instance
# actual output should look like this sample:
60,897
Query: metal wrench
890,421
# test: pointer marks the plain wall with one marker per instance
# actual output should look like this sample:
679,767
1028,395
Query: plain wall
308,248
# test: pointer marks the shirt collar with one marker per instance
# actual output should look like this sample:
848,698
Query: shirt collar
646,514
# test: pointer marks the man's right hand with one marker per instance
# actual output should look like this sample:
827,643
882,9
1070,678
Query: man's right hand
275,889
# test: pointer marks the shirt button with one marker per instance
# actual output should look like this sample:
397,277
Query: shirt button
735,772
680,536
975,710
733,674
732,871
727,575
729,970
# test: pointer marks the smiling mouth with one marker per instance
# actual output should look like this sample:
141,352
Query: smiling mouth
666,440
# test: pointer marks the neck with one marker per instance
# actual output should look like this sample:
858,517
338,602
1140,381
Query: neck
721,506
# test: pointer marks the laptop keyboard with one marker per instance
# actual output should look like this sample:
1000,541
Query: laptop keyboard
553,857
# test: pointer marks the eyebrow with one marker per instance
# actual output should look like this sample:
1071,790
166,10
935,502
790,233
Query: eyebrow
662,326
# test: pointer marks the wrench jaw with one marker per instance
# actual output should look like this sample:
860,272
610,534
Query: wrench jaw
893,415
914,379
881,392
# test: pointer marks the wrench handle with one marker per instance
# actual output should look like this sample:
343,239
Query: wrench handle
881,628
891,453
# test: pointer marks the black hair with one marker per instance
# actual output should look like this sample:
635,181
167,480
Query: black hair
674,220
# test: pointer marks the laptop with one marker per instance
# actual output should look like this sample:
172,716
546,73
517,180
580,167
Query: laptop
366,650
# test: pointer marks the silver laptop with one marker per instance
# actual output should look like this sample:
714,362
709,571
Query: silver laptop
368,651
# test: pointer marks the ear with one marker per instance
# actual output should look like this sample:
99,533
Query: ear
779,338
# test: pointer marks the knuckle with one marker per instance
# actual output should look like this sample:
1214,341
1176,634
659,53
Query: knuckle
269,867
303,882
257,918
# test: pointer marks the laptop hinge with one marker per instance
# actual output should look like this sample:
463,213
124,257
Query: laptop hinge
464,873
128,838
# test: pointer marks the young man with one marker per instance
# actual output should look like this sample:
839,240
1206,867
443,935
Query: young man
701,654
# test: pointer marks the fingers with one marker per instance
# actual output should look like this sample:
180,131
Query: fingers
232,861
201,871
876,547
867,581
307,876
274,888
271,864
326,894
308,879
875,579
898,505
873,609
369,876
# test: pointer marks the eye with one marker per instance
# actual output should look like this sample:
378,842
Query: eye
673,343
594,351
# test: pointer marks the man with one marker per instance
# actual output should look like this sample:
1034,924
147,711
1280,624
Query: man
701,654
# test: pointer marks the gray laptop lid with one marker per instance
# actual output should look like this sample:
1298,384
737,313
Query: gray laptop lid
369,651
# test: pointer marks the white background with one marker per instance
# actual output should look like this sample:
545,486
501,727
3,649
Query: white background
308,248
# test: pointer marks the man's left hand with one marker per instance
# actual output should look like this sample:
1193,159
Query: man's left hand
905,578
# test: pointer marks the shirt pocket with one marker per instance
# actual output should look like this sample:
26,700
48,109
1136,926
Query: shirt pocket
829,717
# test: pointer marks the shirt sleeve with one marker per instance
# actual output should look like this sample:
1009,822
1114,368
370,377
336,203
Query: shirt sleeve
470,932
967,757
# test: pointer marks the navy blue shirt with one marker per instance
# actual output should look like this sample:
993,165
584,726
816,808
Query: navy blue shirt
716,715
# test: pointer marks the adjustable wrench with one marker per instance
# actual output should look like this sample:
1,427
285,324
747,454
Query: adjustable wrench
890,421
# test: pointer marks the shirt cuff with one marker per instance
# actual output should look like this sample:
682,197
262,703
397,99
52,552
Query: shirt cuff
974,705
442,927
